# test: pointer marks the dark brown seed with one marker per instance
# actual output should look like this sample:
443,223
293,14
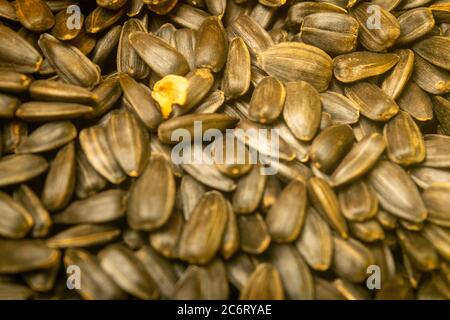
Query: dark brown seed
107,93
249,191
302,110
330,147
150,48
95,283
419,250
15,169
100,19
26,255
102,207
267,100
254,238
358,201
140,101
8,106
34,15
286,216
264,284
231,239
430,78
363,64
105,45
202,234
94,142
442,110
47,111
48,90
315,242
60,182
47,137
396,191
16,221
414,24
165,240
127,59
237,74
436,199
129,142
14,82
153,196
69,62
428,49
437,151
188,16
64,29
83,235
123,266
361,158
211,45
291,61
416,102
41,218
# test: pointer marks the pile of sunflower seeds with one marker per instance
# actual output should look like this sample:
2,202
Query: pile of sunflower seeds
92,204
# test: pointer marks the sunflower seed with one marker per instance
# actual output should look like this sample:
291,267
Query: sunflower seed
358,201
436,200
249,191
83,235
416,102
61,30
264,283
34,15
419,250
62,176
253,233
16,169
414,24
100,19
397,192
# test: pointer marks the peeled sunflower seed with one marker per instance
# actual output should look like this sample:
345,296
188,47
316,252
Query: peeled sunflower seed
124,267
286,216
325,201
26,255
397,192
60,182
102,207
315,241
254,238
153,196
291,61
94,142
83,235
202,234
264,283
16,169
